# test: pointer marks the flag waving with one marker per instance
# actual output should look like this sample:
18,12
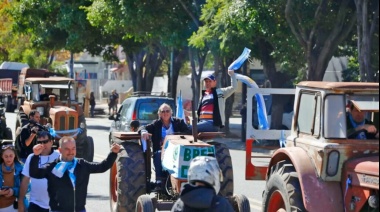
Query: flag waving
180,113
261,109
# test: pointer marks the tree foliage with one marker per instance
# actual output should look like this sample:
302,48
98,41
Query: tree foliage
56,25
320,27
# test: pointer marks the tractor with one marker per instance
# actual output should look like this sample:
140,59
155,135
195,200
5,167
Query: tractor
321,166
59,112
130,176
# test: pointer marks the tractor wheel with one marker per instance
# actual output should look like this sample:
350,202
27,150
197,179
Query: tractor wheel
127,178
110,139
8,134
222,154
145,204
283,190
240,203
8,104
22,119
89,149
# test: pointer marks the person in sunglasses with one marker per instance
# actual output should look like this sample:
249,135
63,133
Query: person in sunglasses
164,125
39,197
10,174
68,176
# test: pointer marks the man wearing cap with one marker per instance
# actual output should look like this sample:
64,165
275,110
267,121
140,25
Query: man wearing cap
211,110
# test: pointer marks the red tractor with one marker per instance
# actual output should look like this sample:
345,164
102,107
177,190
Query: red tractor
323,167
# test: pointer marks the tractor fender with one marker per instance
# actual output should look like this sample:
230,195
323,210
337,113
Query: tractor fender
25,109
318,195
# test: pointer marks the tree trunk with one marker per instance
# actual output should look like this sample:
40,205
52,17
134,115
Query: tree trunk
367,26
179,60
277,80
318,47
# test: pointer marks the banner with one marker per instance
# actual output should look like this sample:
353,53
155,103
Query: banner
176,158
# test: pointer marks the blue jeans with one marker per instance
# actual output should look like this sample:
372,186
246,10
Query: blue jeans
207,126
158,165
92,108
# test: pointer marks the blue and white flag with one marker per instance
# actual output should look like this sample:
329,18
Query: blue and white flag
180,113
241,59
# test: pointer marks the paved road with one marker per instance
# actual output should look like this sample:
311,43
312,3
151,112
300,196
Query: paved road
98,189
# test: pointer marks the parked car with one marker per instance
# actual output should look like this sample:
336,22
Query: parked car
139,107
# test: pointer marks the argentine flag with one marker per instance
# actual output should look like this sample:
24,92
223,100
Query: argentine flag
180,113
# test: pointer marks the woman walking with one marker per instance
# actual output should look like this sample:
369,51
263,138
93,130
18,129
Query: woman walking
10,173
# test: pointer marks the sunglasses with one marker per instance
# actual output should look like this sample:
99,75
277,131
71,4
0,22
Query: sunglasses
43,141
9,146
165,111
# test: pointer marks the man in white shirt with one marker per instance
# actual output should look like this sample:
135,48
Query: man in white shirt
39,197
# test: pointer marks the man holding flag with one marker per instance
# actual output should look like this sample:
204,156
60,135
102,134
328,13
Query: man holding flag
211,110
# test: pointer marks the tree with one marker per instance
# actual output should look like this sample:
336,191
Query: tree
367,26
229,26
320,27
148,34
56,25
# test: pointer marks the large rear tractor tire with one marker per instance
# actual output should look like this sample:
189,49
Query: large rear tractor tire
22,119
127,178
283,190
145,204
89,153
8,104
222,154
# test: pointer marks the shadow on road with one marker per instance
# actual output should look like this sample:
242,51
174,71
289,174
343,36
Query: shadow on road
97,127
98,197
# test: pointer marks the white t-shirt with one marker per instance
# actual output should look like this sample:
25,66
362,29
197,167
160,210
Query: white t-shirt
38,187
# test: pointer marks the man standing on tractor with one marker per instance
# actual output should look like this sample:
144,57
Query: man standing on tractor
200,194
211,108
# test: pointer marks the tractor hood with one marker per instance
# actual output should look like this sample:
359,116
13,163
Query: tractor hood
364,171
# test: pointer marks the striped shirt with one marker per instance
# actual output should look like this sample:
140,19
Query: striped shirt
207,107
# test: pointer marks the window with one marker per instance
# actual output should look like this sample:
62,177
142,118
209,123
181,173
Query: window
147,111
335,117
309,114
124,111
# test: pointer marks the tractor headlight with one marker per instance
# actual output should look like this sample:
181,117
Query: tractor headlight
82,125
333,163
40,110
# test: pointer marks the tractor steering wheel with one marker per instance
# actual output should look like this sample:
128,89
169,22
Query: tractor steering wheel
356,133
